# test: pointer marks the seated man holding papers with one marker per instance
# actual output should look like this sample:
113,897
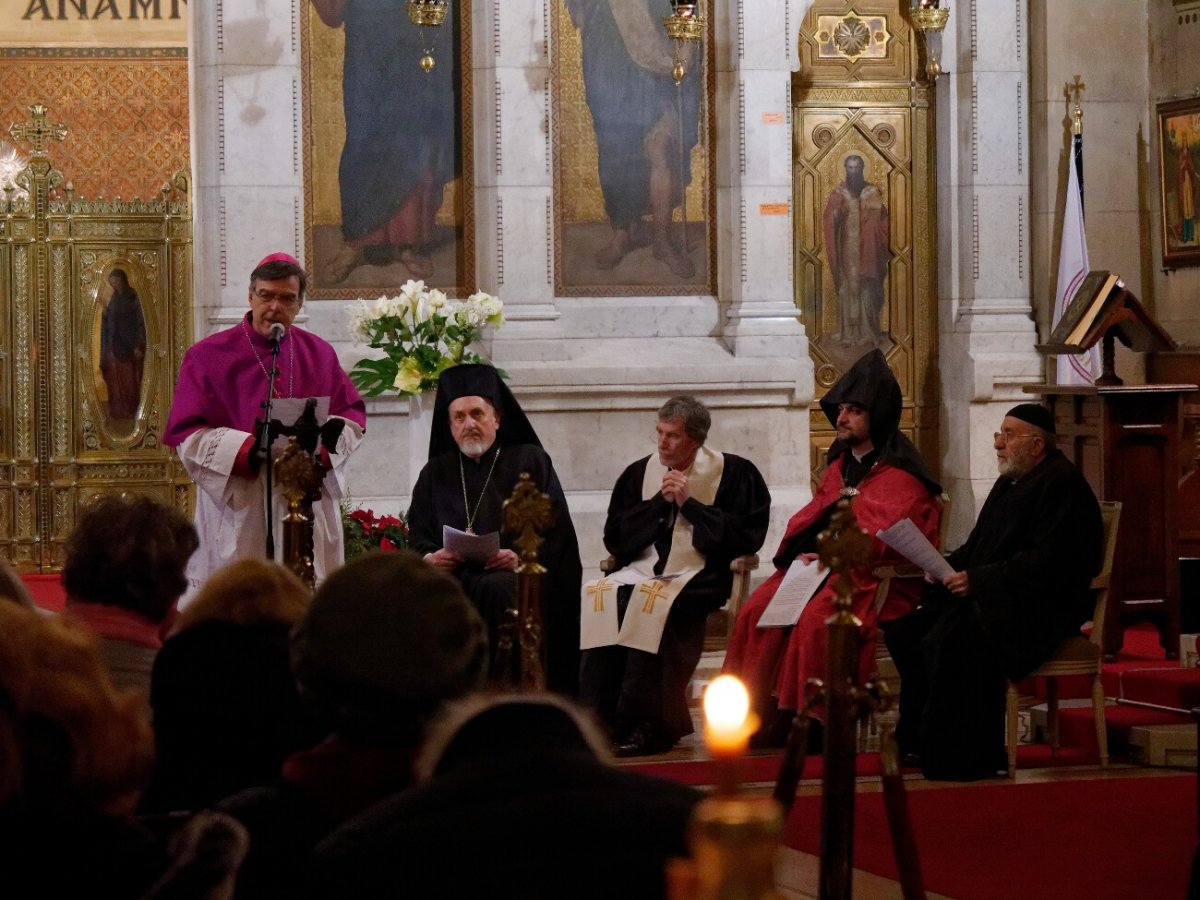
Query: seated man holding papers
480,445
676,520
1017,587
883,474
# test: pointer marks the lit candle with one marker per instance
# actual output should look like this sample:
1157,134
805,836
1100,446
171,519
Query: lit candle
728,720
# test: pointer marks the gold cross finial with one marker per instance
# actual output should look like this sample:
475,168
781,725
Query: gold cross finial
38,131
527,512
1073,91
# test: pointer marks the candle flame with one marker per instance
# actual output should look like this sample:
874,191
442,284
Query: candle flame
726,704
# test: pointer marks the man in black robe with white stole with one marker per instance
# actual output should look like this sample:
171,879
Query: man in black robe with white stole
1020,585
687,490
480,444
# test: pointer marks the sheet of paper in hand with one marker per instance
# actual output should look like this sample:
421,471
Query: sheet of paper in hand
799,585
471,547
288,409
906,539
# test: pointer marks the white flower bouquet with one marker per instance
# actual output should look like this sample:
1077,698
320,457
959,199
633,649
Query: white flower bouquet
421,333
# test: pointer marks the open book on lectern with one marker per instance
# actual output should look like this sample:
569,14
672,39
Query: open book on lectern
1101,303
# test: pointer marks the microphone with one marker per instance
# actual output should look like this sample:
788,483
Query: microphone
275,336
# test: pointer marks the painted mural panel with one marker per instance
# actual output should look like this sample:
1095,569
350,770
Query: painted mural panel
387,162
633,173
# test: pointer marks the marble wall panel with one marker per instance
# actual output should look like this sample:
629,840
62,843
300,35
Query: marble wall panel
1115,243
252,35
762,224
997,33
616,317
260,126
524,119
998,139
999,241
512,33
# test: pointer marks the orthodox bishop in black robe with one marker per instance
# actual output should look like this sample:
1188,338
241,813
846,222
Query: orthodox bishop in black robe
468,493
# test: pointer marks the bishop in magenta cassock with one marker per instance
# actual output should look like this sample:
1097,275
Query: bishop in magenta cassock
222,382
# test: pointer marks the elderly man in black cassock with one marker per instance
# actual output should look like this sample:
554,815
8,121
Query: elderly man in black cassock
480,445
1020,585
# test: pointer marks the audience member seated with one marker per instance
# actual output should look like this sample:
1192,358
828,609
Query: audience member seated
75,755
519,789
1019,587
225,706
479,446
386,641
883,475
123,574
686,512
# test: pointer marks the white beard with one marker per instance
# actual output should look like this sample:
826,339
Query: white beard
474,448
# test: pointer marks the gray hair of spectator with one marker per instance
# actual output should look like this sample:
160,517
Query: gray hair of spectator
694,415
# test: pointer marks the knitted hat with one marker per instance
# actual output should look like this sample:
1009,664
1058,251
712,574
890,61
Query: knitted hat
387,639
1035,414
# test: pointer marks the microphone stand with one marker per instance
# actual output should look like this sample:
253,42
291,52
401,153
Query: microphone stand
265,447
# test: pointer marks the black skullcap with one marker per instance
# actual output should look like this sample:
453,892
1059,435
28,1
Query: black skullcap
388,639
478,380
1035,414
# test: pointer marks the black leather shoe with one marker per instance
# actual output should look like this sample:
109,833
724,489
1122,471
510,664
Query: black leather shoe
639,743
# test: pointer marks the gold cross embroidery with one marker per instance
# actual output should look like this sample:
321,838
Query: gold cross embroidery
653,591
598,590
38,131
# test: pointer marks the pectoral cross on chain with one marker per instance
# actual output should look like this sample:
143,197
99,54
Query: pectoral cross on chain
653,591
598,590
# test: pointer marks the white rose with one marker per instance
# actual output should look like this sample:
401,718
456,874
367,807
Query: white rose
412,289
493,308
420,307
437,299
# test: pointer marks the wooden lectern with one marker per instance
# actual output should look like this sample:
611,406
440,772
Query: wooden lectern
1126,441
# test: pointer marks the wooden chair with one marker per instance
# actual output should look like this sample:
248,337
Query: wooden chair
1076,655
717,637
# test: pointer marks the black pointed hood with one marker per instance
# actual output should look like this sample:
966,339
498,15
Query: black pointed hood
478,381
871,384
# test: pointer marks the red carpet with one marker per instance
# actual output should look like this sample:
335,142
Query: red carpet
757,769
46,591
1104,839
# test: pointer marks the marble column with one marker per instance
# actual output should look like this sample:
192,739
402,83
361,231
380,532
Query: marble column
513,185
755,54
987,332
246,147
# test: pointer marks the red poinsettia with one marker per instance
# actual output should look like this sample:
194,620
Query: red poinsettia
365,531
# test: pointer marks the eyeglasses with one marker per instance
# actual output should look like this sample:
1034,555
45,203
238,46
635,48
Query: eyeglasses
1007,437
288,299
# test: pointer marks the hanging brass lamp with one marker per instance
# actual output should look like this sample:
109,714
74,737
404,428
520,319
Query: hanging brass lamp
426,14
684,24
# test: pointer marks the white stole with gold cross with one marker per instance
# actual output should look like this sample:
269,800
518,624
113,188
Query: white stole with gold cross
653,595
